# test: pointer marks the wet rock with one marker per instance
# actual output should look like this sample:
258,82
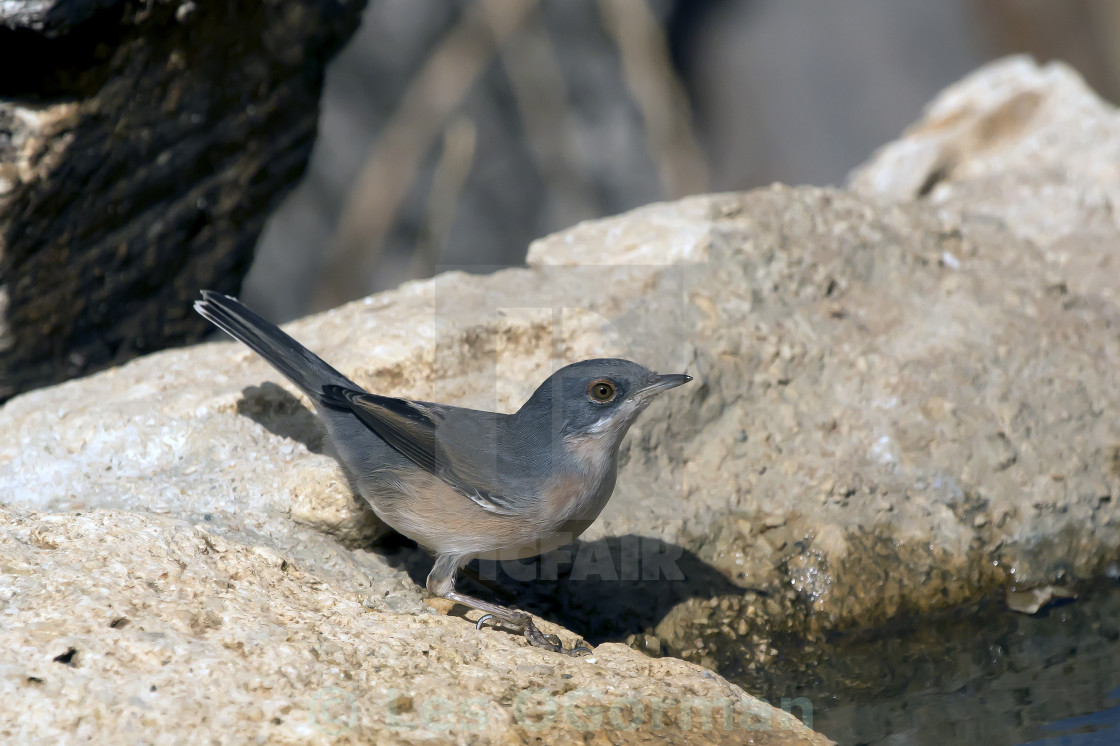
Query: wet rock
1033,600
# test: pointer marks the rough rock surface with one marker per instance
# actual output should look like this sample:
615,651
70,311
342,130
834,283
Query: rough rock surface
142,146
899,406
120,627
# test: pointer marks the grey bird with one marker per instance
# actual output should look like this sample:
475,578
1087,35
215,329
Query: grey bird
464,483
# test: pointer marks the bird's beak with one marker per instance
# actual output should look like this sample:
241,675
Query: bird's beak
663,383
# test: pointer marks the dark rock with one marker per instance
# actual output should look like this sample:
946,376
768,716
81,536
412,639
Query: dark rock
48,17
142,146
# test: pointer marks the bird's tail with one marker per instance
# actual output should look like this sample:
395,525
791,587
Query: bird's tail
300,365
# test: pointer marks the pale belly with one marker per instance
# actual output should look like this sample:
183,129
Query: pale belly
441,519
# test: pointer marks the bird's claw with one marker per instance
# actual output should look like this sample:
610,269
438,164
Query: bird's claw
535,637
538,639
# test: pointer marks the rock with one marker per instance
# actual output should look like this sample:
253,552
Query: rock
142,146
875,431
1027,146
121,626
820,324
50,17
1033,600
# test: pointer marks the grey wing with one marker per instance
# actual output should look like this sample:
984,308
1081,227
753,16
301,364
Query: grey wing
456,445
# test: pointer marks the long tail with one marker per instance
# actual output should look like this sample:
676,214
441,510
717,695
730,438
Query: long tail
300,365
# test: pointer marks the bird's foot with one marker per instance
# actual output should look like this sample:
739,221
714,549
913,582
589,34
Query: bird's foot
536,638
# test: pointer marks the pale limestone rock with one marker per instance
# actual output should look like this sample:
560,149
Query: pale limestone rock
1027,145
898,406
120,627
830,342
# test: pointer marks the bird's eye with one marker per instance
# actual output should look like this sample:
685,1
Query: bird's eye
601,391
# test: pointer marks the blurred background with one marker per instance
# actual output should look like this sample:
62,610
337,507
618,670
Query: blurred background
454,132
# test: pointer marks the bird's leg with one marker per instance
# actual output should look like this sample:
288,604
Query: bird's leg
489,584
441,582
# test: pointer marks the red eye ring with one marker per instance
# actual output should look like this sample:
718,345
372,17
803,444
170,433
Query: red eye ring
602,391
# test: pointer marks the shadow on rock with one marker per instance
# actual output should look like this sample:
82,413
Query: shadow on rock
283,414
603,590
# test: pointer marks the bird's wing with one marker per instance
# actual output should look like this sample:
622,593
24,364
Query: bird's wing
453,444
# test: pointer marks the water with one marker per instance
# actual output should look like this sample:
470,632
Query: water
1096,728
979,675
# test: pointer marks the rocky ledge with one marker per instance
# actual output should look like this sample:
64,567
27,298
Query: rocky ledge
907,399
121,627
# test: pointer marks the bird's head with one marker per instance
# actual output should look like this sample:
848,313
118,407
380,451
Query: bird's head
600,397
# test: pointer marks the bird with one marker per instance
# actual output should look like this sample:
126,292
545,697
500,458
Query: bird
465,483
